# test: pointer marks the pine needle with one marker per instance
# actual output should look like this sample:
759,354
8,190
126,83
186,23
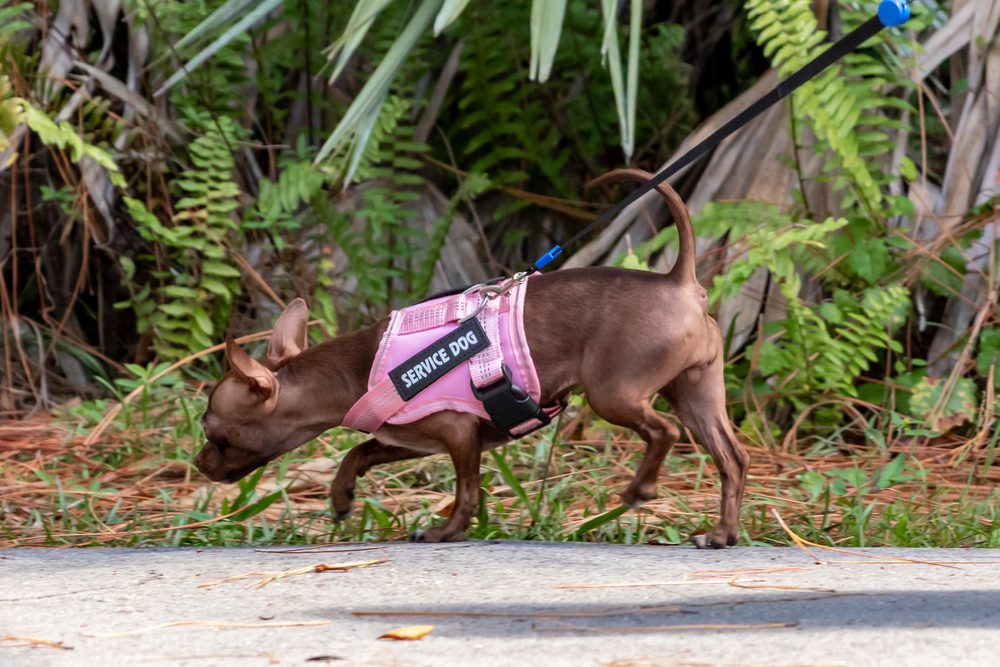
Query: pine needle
205,624
566,627
803,544
16,641
580,613
643,584
265,578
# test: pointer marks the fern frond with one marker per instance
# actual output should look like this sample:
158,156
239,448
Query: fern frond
840,104
188,309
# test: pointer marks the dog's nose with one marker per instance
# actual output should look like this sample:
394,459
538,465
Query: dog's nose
209,462
218,440
222,444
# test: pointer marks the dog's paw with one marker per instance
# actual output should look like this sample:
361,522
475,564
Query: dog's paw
438,534
639,496
341,502
706,541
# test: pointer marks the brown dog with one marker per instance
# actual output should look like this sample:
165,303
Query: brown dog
620,335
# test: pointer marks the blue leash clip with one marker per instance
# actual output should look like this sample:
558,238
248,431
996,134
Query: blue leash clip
893,13
548,257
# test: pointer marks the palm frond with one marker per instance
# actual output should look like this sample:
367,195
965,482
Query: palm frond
350,131
357,27
546,27
450,11
263,8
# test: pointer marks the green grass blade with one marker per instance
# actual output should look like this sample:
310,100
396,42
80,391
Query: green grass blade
450,11
357,27
546,26
599,521
247,486
514,483
241,26
632,83
258,506
373,94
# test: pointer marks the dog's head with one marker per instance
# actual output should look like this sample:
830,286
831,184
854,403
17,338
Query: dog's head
249,421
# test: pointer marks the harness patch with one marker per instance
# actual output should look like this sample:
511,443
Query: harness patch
431,363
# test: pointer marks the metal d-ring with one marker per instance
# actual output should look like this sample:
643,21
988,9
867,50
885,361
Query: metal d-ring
482,304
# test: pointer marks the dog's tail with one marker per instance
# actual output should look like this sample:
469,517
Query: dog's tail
684,268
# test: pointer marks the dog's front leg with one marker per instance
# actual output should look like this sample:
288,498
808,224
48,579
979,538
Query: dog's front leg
357,463
465,454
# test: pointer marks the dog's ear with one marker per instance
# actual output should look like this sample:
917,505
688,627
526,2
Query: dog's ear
250,372
289,336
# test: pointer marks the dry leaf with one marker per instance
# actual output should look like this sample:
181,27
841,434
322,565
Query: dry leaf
408,632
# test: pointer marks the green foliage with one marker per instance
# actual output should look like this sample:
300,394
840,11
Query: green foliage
206,92
942,411
11,113
781,251
378,237
352,133
505,130
469,189
346,227
944,274
545,27
14,18
829,352
188,310
62,135
821,348
989,354
845,108
851,492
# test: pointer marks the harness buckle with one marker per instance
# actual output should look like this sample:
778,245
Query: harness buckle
509,405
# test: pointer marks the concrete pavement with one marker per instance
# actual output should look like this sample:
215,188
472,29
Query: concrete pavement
500,603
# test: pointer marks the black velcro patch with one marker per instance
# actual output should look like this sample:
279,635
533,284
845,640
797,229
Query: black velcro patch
429,364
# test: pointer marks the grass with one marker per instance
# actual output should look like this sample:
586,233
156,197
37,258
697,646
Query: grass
137,486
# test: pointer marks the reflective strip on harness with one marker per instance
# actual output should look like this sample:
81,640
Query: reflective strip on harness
487,367
435,314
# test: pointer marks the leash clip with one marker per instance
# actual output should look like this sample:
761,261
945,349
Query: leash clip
490,291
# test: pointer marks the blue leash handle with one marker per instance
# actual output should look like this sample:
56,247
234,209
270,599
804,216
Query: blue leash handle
891,14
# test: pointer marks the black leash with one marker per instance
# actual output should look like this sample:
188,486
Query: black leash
891,13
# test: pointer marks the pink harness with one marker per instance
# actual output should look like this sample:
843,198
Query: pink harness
413,329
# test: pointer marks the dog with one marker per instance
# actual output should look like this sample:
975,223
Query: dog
621,336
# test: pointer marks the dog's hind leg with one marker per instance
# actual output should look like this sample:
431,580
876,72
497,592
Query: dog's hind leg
659,434
355,464
699,397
